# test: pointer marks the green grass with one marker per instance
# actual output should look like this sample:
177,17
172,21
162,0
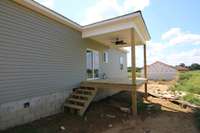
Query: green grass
192,99
188,82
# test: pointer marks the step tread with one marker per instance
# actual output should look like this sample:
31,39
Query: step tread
77,100
81,95
73,106
87,88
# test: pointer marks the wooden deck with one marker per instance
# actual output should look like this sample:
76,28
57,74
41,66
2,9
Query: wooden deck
116,84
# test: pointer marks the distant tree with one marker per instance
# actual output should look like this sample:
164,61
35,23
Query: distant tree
195,66
138,69
182,64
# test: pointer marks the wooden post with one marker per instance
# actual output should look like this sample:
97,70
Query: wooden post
133,95
145,71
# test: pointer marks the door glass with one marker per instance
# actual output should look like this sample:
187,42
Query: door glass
89,64
92,58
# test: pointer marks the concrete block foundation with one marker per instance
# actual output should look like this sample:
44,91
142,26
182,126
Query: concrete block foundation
28,110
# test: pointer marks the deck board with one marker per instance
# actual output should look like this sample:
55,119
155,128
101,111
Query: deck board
119,84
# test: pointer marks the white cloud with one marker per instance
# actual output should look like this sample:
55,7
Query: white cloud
154,53
155,47
101,10
47,3
158,52
135,4
104,9
177,36
187,57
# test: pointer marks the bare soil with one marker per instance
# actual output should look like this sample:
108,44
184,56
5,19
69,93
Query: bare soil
158,116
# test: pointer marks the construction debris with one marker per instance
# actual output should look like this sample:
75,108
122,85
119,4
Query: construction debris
185,104
110,116
168,94
124,109
110,125
85,118
147,131
62,128
150,106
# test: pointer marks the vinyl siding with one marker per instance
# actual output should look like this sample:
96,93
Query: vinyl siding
112,68
39,56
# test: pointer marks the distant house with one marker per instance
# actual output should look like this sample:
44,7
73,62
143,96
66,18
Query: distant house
182,69
160,71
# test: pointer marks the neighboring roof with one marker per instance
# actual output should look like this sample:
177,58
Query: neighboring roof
33,5
181,68
159,62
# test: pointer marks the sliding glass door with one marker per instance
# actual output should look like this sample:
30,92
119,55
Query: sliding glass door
92,58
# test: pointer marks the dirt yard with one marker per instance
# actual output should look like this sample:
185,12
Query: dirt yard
155,116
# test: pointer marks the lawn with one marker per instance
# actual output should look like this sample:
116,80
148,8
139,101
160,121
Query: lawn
189,82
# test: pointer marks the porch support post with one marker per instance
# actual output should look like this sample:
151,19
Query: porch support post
133,68
145,71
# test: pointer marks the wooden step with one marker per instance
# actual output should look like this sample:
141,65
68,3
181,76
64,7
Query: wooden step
73,106
80,99
77,100
86,88
82,91
80,95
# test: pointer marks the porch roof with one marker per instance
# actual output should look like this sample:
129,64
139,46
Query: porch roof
119,28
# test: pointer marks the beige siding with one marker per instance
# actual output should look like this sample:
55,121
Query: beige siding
39,56
159,71
112,68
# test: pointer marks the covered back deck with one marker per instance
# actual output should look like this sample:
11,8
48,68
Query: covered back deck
117,33
125,31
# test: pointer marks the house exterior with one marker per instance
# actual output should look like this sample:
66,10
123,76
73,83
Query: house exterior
160,71
44,55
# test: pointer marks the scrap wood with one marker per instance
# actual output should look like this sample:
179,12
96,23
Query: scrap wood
184,103
163,96
175,100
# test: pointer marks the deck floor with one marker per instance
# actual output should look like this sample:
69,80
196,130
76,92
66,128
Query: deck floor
119,84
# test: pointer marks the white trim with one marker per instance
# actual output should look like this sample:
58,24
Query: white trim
111,20
114,27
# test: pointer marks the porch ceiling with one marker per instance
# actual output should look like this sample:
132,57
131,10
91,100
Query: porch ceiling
106,32
124,35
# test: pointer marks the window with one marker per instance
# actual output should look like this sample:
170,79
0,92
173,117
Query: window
121,61
105,57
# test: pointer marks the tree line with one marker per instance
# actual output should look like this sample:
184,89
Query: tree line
194,66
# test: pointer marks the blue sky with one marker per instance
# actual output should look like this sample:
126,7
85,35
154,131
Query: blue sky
173,24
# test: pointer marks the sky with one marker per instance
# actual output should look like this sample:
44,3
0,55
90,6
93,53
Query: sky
173,24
